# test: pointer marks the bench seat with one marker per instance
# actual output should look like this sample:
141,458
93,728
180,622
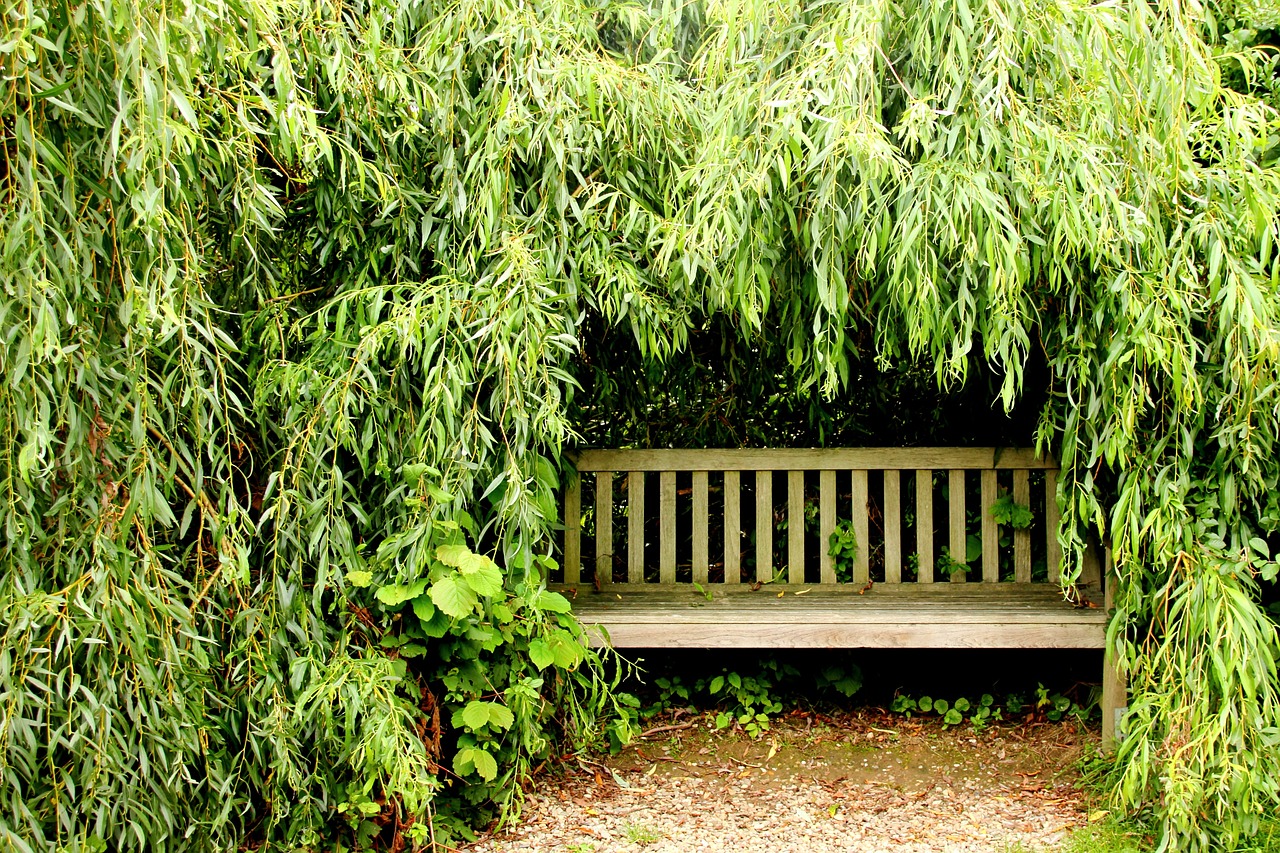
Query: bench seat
975,615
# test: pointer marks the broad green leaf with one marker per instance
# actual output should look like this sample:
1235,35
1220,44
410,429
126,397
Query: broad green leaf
393,595
477,714
552,601
540,654
453,555
453,597
464,761
359,578
483,576
501,717
565,649
486,765
423,608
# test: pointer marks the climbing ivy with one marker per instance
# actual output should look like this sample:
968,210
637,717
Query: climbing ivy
295,304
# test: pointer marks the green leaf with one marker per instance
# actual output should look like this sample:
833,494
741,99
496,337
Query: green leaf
453,555
482,575
423,608
486,765
552,601
393,595
567,651
540,654
438,625
413,472
972,548
463,761
359,578
501,717
454,597
478,714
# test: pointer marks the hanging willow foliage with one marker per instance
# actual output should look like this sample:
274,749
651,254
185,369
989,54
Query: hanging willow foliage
294,292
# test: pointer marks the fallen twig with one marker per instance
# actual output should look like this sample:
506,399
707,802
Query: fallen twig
671,728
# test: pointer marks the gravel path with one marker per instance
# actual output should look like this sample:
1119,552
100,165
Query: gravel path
851,785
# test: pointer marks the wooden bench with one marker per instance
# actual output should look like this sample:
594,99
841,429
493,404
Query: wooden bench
771,581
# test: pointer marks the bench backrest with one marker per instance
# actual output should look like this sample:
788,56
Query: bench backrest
903,506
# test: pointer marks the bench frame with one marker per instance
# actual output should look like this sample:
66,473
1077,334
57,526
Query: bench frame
687,601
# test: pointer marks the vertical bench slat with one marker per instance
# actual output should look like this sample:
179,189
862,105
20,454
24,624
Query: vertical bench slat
924,525
892,527
701,527
1022,538
826,525
764,526
1053,550
667,535
732,527
604,527
573,529
990,530
795,526
958,546
860,562
635,527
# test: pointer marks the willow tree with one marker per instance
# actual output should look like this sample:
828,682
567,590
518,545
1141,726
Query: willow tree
294,294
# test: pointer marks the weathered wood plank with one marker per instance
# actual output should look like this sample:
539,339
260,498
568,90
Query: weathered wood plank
1051,521
732,527
892,527
957,547
924,525
690,613
604,527
990,531
999,635
861,533
667,524
826,525
839,596
701,527
764,526
1022,538
1091,570
573,529
795,526
635,527
818,459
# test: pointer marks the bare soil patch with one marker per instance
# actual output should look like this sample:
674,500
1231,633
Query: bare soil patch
863,781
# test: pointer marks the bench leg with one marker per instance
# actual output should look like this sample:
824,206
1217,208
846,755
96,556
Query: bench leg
1113,700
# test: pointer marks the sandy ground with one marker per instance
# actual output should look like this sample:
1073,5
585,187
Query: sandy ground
864,781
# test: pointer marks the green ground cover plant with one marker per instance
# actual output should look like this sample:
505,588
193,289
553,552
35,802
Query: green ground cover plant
986,709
